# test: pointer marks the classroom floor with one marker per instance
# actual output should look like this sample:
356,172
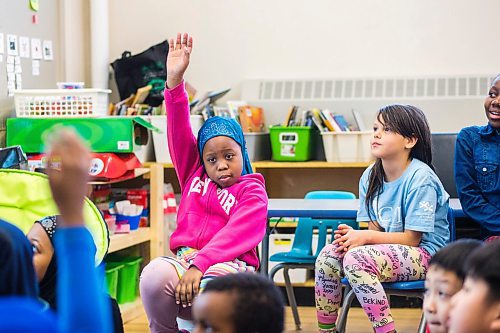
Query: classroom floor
407,321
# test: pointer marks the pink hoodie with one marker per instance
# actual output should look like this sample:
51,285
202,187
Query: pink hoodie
223,224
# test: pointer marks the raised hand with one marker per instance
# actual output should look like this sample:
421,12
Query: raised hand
69,184
179,53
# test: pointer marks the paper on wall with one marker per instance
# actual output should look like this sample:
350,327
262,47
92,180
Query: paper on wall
12,47
48,53
19,81
36,48
24,47
10,68
35,67
1,44
1,57
10,60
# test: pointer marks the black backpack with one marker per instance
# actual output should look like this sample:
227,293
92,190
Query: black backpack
146,68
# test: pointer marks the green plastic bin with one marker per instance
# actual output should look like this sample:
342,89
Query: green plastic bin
128,278
112,271
292,143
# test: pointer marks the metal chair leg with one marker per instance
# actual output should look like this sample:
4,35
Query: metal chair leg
346,305
423,323
291,298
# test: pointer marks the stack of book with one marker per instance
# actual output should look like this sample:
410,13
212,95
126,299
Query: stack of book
325,120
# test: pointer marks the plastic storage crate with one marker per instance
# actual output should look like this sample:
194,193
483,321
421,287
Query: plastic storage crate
128,279
292,143
112,270
258,146
61,102
347,146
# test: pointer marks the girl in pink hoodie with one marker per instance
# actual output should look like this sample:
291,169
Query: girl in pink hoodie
223,210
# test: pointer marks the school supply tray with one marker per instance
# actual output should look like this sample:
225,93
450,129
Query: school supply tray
34,103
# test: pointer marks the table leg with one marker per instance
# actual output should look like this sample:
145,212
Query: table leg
265,252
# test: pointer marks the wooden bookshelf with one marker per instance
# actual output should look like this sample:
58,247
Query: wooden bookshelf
295,179
309,164
119,242
137,173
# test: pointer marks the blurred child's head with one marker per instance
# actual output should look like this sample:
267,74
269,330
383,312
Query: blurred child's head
492,103
44,257
17,276
222,149
40,236
444,278
476,307
239,303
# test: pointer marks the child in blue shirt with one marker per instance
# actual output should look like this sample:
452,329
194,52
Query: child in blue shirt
81,303
406,207
477,167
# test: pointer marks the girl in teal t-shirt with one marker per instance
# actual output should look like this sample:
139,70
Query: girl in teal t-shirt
406,207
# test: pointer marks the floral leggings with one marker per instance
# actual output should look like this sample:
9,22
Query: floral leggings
365,267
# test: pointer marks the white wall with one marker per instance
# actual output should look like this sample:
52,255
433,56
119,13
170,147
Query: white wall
75,39
235,40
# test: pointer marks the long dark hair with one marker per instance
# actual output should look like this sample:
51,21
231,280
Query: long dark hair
410,122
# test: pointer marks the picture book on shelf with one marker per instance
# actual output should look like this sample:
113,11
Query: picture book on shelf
251,119
342,123
359,121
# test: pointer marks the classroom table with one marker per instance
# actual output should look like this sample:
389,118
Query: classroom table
319,209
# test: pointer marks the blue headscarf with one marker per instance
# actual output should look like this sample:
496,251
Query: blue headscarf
218,126
17,275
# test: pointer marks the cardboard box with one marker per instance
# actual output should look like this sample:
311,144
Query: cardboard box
104,135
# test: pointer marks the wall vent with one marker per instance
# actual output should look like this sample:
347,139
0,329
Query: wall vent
371,88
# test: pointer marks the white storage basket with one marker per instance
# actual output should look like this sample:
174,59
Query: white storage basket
61,102
347,146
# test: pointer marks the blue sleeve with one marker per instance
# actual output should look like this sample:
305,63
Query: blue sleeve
420,210
474,204
363,215
81,302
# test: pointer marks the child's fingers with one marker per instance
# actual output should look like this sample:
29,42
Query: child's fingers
178,42
340,231
196,288
190,42
178,293
183,295
340,249
171,45
189,294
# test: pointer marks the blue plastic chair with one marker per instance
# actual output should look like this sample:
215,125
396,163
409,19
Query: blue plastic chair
301,256
400,288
